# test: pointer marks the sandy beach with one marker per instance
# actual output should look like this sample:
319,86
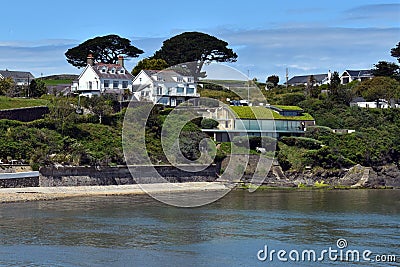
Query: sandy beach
51,193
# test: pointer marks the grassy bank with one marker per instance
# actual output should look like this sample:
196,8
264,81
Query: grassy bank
9,103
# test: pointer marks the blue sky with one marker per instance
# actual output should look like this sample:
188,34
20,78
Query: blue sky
269,36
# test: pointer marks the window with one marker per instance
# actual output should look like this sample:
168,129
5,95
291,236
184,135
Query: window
159,78
159,90
164,100
112,70
190,91
103,70
122,71
124,84
90,86
106,83
189,79
179,79
179,90
115,84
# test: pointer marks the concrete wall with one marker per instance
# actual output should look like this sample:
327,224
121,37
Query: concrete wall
84,176
24,114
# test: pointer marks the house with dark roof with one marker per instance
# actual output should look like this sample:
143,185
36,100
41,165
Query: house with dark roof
304,79
355,75
101,78
166,87
19,77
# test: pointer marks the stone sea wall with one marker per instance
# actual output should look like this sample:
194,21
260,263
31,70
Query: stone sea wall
19,182
86,176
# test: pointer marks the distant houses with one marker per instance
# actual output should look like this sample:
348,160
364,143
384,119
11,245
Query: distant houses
19,77
320,79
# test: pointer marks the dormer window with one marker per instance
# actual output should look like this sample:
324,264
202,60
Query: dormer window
122,71
103,70
189,79
179,79
112,70
159,78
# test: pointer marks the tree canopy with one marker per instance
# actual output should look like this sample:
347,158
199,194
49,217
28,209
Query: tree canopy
37,88
104,49
149,64
395,52
379,88
6,85
386,69
195,47
274,79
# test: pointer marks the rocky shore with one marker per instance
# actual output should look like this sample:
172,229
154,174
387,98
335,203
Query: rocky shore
356,177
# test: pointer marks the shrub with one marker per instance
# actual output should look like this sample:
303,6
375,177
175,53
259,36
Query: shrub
209,123
292,99
284,162
316,132
302,142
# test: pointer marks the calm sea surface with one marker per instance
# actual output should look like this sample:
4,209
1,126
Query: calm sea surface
140,231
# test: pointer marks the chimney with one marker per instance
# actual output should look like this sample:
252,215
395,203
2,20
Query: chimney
90,60
121,61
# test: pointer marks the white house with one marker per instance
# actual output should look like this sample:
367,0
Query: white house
362,103
359,75
101,78
165,87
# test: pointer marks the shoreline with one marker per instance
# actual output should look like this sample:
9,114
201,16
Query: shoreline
25,194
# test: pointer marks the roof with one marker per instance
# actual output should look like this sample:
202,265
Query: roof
358,99
16,74
288,108
359,73
167,75
107,75
264,113
304,78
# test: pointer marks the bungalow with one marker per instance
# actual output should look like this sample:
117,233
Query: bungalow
273,121
19,77
352,75
166,87
101,78
362,103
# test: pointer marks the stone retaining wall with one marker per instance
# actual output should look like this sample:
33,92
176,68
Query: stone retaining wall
85,176
19,182
24,114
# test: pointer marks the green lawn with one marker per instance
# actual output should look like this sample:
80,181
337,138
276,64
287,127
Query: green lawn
262,113
56,82
8,103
